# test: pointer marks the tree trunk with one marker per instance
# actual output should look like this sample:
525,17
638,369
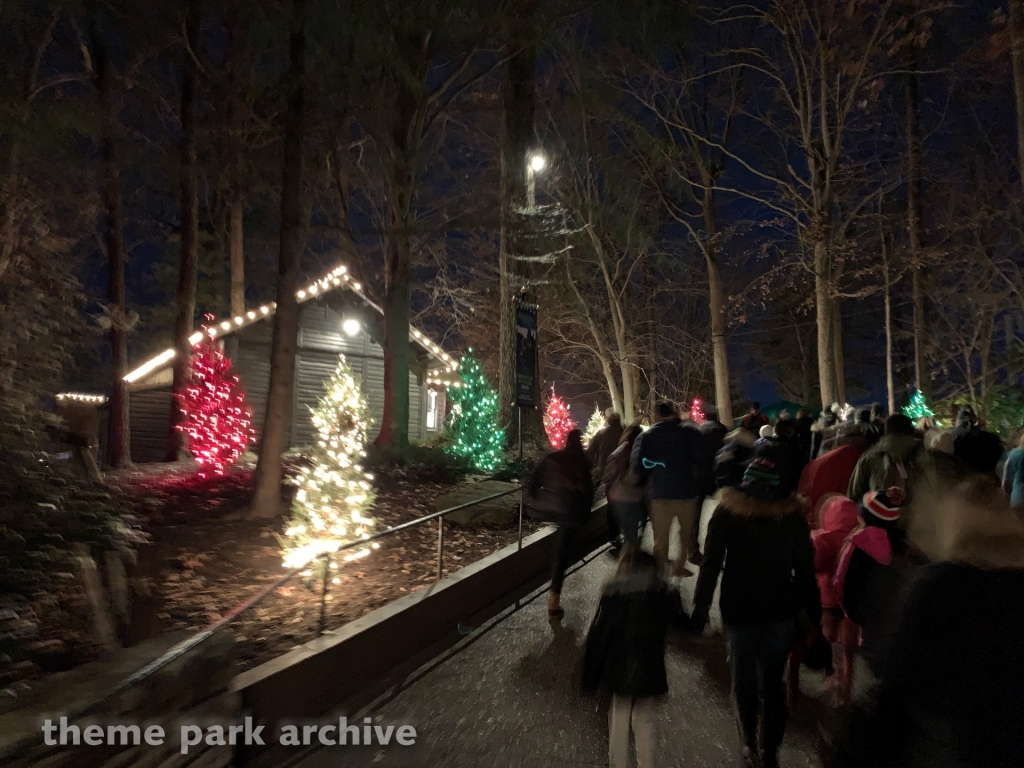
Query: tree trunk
1017,50
823,306
652,340
987,332
922,376
118,435
267,481
716,296
237,247
394,430
889,383
519,103
188,269
837,350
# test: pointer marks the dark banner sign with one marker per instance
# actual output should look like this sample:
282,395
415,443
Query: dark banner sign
526,355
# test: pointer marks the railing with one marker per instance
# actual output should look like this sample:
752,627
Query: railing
198,638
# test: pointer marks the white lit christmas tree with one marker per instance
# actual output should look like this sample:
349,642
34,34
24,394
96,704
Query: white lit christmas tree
594,425
331,507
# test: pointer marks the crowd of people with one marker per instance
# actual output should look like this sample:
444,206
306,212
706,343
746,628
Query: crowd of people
851,536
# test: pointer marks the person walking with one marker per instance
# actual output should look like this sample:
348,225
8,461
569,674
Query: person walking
974,446
754,419
625,498
665,458
951,692
712,440
625,653
1013,476
760,536
804,424
894,460
561,491
604,442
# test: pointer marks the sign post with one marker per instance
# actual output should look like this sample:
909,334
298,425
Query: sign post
526,362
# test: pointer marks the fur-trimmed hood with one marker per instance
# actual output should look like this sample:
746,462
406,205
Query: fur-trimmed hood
742,505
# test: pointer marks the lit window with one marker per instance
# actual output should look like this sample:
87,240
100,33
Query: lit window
432,409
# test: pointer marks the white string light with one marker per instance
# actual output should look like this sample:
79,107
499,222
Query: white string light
81,397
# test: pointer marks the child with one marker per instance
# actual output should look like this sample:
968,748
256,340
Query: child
859,581
625,653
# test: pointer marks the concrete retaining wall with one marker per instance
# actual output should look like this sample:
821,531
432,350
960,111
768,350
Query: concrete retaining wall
321,675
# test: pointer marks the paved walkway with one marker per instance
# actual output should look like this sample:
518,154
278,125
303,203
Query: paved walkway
508,696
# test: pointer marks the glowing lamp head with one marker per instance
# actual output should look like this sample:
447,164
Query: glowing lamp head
351,327
538,162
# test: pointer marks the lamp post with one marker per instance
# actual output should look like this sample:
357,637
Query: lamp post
535,164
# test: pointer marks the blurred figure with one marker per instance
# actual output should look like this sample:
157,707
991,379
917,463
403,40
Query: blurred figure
562,492
712,434
951,694
625,499
891,463
822,427
625,653
605,441
829,474
804,423
760,536
754,420
665,458
785,434
978,449
1013,476
731,461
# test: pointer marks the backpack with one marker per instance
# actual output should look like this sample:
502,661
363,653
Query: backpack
892,472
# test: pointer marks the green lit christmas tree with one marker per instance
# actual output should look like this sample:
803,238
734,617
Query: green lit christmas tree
332,505
472,429
918,407
595,425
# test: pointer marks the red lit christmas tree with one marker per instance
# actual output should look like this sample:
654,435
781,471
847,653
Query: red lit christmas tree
214,414
697,412
557,421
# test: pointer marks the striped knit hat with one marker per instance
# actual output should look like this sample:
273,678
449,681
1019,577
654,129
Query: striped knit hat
884,506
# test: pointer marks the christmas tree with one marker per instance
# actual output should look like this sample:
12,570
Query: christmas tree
918,407
557,421
214,414
696,412
472,430
595,425
332,505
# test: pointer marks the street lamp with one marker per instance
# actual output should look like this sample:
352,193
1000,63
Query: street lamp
536,164
351,327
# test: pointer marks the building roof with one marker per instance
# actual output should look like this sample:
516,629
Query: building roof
337,278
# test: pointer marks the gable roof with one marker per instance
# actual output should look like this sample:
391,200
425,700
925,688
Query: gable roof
337,278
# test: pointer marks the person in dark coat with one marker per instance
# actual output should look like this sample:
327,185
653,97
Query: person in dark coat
731,461
978,449
951,693
804,422
604,442
625,500
712,435
754,420
562,488
760,535
625,653
665,459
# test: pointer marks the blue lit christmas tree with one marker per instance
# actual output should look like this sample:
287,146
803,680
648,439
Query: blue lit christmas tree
472,430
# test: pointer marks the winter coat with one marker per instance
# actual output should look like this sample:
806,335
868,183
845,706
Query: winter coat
977,448
615,472
753,422
625,647
730,464
886,464
866,550
951,694
561,490
603,443
768,558
829,474
712,436
839,518
803,435
665,458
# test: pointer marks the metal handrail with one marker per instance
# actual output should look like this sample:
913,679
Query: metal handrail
199,637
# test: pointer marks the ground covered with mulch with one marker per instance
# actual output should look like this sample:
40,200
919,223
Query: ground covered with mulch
206,557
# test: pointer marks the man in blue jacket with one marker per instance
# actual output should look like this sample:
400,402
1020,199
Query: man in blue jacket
665,459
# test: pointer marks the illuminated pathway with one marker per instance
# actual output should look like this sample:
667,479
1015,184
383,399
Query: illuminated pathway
508,697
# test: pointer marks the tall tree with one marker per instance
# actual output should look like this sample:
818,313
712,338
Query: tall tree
188,268
118,434
267,480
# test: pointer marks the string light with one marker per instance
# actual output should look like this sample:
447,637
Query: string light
696,412
81,397
335,496
472,430
594,425
558,422
214,413
917,408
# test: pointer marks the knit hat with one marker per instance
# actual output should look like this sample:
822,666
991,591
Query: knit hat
882,507
765,476
767,431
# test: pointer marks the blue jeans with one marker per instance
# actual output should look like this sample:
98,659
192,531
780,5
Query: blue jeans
757,661
630,516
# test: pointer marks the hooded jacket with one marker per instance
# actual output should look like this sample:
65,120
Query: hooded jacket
838,519
768,560
951,694
666,458
829,474
870,472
